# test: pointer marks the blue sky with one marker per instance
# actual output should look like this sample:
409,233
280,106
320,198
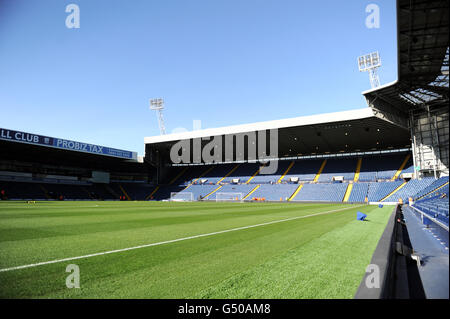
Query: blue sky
223,62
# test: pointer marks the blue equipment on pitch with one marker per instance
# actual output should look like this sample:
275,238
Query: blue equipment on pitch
360,216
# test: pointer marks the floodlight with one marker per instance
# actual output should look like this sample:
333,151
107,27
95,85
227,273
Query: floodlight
158,105
370,63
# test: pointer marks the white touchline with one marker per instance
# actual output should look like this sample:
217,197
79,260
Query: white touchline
170,241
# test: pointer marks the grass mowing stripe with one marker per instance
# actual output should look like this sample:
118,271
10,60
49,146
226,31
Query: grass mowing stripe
178,270
17,229
36,240
170,241
329,266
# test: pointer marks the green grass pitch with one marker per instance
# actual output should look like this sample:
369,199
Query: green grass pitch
320,256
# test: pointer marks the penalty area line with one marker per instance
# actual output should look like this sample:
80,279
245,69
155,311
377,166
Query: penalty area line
171,241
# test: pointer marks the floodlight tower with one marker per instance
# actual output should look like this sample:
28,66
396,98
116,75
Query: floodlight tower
158,105
370,63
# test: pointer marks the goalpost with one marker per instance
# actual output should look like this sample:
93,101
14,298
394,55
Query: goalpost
181,197
229,197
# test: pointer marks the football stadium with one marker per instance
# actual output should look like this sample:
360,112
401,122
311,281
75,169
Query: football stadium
343,205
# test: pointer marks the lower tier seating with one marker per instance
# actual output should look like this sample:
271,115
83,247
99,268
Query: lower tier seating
436,207
390,191
322,192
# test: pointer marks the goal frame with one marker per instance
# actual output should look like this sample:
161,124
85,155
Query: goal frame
233,197
188,198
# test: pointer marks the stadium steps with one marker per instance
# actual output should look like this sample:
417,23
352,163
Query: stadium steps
111,191
124,192
297,191
253,176
348,192
215,190
45,191
178,176
201,175
152,193
434,190
397,174
251,192
358,169
228,174
89,193
394,191
320,171
285,172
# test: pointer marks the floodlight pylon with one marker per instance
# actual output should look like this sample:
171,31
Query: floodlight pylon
370,63
158,105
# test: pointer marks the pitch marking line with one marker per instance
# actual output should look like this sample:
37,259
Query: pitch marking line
171,241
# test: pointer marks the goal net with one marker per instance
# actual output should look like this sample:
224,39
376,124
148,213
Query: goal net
181,197
229,197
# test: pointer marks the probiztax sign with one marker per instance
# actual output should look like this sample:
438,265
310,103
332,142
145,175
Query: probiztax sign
22,137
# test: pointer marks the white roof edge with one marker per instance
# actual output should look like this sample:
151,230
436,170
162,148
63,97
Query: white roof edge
267,125
380,87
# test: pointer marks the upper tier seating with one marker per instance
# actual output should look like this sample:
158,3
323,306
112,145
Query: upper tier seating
244,172
218,172
375,167
305,170
272,178
339,167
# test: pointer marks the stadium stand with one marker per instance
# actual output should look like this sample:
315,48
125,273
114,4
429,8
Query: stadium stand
204,177
47,173
44,171
374,182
